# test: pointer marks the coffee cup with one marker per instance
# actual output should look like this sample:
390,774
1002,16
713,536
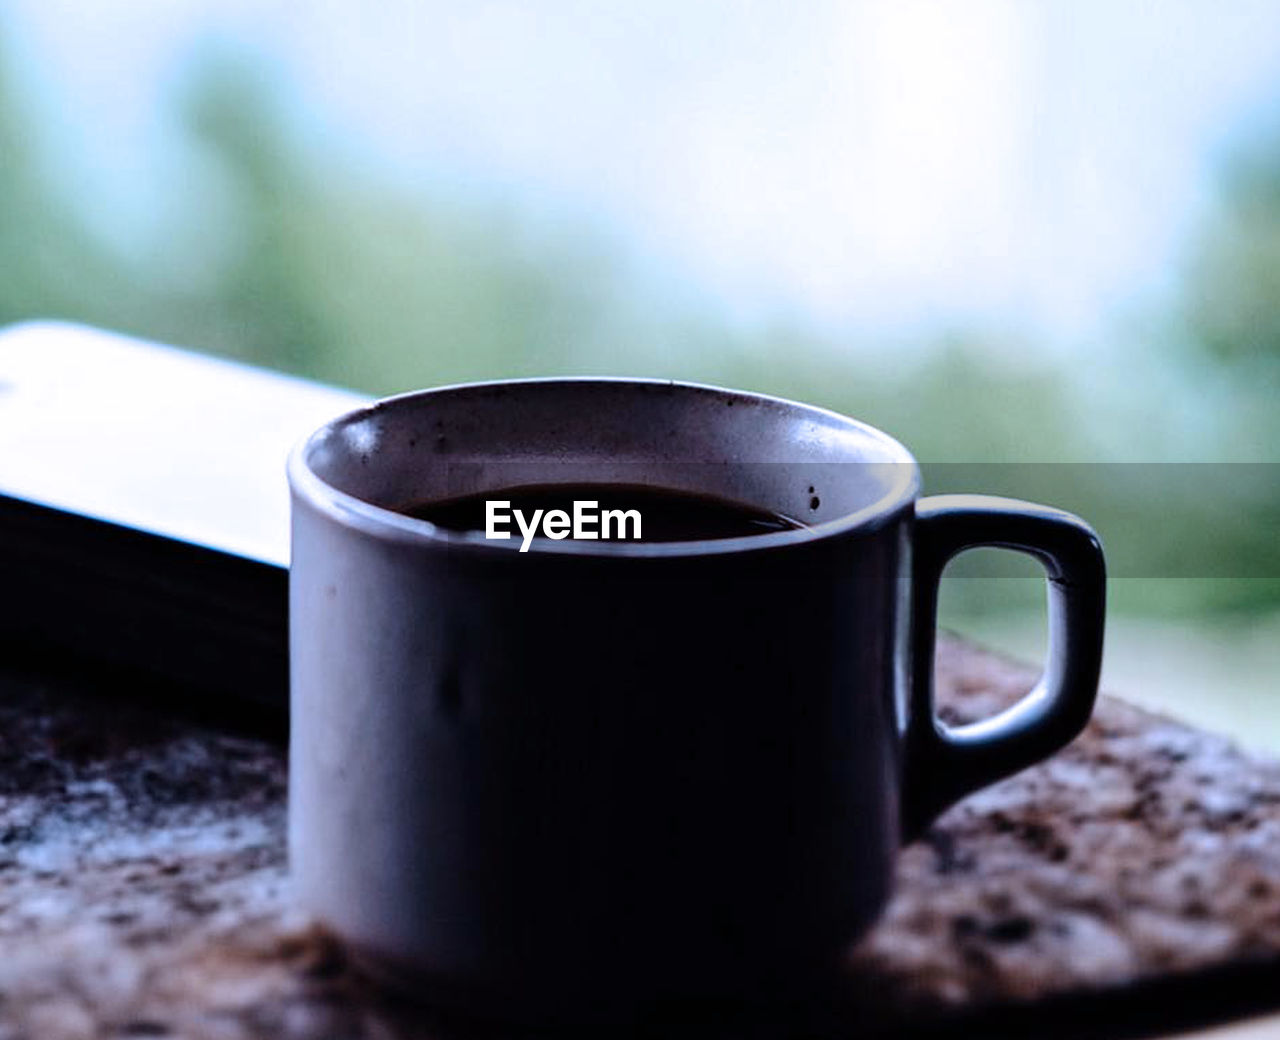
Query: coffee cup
609,774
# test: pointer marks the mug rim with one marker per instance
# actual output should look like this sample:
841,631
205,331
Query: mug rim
380,522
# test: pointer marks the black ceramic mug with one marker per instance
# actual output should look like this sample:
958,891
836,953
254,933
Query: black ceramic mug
605,774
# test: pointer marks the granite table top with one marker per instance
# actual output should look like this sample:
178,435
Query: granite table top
1127,886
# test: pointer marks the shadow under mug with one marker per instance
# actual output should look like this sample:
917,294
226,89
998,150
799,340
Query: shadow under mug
615,774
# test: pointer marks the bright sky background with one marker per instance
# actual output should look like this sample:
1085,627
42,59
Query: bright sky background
872,164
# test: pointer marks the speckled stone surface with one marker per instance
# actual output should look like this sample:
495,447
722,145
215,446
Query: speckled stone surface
1132,881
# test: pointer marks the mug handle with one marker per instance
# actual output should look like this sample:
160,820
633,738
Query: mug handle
944,763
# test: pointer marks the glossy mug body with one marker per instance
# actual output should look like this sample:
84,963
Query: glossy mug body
613,774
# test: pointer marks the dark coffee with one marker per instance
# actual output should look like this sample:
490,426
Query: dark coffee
665,515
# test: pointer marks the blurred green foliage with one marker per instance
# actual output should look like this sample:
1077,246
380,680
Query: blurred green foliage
1234,280
49,263
290,253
